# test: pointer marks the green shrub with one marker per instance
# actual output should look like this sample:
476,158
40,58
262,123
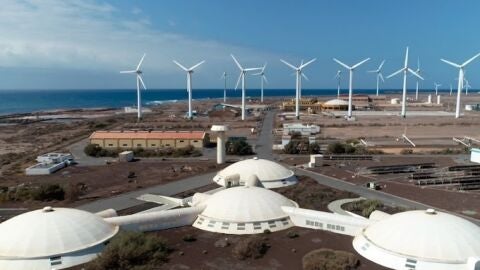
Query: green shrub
132,250
238,147
336,148
365,207
48,192
327,259
253,246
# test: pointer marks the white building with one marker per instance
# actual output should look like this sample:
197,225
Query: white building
52,238
269,173
305,130
475,155
244,210
54,157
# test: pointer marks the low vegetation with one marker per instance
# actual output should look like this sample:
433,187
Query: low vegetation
44,192
252,247
94,150
132,250
328,259
239,148
366,207
352,148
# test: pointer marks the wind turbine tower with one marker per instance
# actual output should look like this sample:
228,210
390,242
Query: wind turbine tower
350,84
378,71
243,72
139,73
298,85
224,77
405,70
338,76
417,82
461,73
436,87
263,79
189,83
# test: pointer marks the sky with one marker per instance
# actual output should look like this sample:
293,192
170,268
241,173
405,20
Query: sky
83,44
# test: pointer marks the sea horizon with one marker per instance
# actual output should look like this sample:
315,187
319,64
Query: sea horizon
34,100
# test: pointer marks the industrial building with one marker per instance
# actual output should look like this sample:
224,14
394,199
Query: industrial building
270,174
52,238
147,139
304,130
336,105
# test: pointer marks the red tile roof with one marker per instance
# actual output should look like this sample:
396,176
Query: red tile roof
188,135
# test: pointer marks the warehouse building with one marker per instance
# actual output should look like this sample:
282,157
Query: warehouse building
147,139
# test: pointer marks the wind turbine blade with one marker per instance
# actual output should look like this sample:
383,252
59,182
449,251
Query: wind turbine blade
395,73
418,64
372,71
341,64
128,71
381,65
305,76
265,79
141,81
141,61
288,64
470,60
415,74
238,81
264,66
223,75
255,74
236,62
451,63
192,68
308,63
252,69
406,58
180,65
358,64
381,77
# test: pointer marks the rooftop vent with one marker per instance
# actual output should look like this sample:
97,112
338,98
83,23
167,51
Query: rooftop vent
431,211
47,209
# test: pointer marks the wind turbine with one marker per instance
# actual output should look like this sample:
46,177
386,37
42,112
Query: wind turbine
243,72
224,77
350,84
338,76
298,85
436,87
378,71
461,73
405,70
263,78
418,72
138,72
467,85
451,89
189,83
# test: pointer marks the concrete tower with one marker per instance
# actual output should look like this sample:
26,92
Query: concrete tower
220,130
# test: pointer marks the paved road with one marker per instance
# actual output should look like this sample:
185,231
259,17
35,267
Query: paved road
336,206
264,143
364,192
81,158
128,200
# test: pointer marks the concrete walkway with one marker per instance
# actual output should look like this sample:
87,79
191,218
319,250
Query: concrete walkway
264,143
128,200
336,206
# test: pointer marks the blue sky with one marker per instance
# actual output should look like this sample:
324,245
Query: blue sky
82,44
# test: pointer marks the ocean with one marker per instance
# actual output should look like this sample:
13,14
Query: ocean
25,101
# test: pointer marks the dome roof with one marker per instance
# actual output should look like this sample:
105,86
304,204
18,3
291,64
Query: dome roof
336,102
246,205
426,235
52,231
269,173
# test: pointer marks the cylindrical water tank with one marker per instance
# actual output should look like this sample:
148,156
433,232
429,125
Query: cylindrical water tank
429,99
438,99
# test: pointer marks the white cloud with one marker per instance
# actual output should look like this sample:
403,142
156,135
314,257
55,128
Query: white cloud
86,34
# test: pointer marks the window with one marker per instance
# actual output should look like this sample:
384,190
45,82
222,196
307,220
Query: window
125,144
195,141
55,260
139,144
241,226
153,145
167,144
182,141
257,226
110,144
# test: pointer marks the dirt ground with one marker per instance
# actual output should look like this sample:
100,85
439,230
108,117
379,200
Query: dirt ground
104,181
466,202
284,252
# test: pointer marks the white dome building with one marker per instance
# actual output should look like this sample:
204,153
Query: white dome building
244,210
270,174
52,238
335,104
421,240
